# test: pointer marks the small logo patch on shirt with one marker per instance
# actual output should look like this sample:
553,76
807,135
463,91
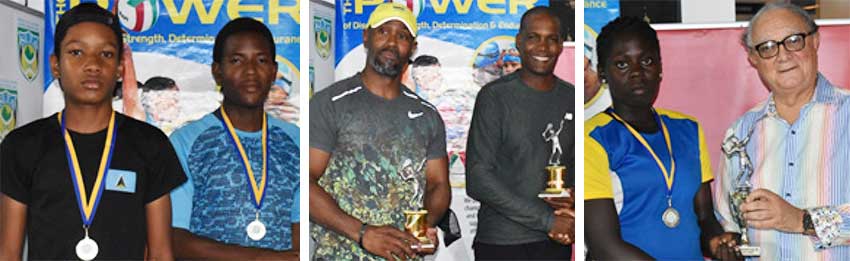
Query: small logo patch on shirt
121,181
414,115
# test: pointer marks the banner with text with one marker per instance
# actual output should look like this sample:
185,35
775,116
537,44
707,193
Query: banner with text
462,45
172,44
597,13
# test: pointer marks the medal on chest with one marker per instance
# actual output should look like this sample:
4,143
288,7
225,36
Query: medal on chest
255,230
670,217
86,248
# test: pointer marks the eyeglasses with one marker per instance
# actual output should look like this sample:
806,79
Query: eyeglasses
793,43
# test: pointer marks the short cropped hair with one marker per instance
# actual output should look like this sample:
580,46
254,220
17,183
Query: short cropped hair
523,22
240,25
87,12
612,32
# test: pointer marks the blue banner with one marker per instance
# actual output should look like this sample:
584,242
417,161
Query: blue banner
597,13
468,43
467,23
174,39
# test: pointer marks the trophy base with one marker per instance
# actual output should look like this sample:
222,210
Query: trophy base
555,184
554,194
749,250
424,243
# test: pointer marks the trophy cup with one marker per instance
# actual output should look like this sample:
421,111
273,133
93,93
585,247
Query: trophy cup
742,187
555,184
415,220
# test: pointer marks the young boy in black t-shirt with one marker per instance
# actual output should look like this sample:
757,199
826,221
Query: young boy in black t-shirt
87,182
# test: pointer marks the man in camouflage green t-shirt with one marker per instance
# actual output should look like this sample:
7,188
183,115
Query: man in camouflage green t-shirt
376,150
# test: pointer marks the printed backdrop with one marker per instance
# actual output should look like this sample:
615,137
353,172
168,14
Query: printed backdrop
597,13
174,39
473,42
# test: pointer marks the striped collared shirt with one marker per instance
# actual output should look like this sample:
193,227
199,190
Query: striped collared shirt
807,163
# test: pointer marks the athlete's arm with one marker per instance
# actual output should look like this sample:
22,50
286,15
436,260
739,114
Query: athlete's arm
191,246
711,232
158,216
13,221
437,191
437,197
602,230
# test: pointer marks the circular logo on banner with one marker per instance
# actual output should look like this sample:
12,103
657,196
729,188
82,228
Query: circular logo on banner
495,58
138,15
415,6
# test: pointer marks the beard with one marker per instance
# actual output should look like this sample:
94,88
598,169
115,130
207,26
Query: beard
391,67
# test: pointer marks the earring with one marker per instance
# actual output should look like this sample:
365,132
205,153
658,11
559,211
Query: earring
604,81
660,75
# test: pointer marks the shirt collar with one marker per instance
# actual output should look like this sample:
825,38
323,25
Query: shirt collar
825,92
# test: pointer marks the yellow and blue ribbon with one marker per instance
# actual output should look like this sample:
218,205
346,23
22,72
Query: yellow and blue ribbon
88,203
258,188
668,175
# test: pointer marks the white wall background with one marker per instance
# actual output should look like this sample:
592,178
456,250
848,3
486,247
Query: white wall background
708,11
323,68
37,5
29,91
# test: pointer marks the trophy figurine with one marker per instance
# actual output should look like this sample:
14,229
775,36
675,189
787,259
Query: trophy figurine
555,184
733,147
415,221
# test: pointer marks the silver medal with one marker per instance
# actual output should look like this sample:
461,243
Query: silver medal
256,230
670,217
87,249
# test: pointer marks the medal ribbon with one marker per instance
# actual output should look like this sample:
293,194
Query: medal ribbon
258,188
88,203
668,176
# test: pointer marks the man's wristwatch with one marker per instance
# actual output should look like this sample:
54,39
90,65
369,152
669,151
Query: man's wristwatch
808,225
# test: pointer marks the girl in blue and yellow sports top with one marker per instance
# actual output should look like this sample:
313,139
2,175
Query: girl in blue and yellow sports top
647,172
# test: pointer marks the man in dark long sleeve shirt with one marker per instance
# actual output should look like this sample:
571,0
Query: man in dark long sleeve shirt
507,153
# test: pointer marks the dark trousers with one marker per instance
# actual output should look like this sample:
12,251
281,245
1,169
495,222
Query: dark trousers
543,250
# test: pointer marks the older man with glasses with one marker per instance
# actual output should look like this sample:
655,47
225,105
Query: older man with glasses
798,144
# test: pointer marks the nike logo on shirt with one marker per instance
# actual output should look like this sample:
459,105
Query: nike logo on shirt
414,115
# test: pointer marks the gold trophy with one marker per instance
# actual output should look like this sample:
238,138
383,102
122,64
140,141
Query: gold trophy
555,186
415,224
742,187
415,221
